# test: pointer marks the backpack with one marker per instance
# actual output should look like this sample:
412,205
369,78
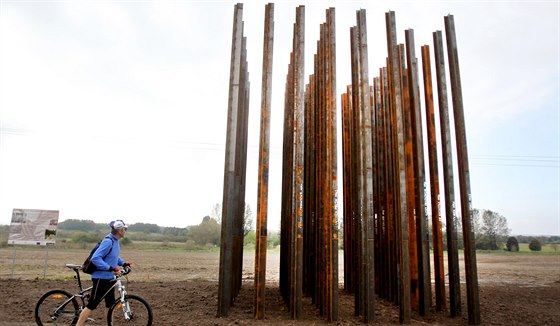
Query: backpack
88,266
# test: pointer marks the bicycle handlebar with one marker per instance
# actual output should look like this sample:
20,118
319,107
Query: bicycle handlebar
125,271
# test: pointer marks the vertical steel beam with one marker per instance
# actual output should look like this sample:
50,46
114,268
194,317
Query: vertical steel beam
422,233
378,181
473,303
309,206
264,147
401,222
229,209
332,171
346,192
449,186
297,205
367,169
287,186
409,172
437,239
357,174
240,173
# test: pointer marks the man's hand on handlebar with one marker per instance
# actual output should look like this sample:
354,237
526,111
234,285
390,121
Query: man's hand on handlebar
126,269
115,270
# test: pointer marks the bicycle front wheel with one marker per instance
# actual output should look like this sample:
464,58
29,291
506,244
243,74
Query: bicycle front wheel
134,311
57,307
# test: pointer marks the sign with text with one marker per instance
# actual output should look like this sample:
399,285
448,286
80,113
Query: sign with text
33,227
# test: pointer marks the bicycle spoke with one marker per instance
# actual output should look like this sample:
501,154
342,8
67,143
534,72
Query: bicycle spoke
135,311
56,308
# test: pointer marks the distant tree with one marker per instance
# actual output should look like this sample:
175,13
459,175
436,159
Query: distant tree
217,212
492,228
177,232
126,241
144,227
78,225
250,238
247,220
87,237
512,244
535,245
273,239
207,232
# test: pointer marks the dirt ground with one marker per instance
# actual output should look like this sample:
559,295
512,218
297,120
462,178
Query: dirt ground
182,290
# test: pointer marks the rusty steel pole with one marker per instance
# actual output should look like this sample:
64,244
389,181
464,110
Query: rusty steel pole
295,224
331,173
367,169
422,233
346,190
264,147
437,238
287,186
240,173
410,175
449,186
473,303
357,191
401,216
231,195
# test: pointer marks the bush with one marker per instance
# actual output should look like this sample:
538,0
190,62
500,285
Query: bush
512,244
535,245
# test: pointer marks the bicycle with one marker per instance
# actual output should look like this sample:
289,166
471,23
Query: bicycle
58,307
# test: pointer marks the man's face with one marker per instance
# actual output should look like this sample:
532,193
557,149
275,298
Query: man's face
122,232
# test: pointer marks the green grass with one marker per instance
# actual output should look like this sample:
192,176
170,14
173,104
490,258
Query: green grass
546,249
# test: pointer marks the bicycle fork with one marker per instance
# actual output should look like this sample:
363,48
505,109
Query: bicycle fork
124,302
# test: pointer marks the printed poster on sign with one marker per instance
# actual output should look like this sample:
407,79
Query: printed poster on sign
33,227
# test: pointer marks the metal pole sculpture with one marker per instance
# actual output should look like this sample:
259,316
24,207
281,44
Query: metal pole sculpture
262,204
309,222
386,238
234,171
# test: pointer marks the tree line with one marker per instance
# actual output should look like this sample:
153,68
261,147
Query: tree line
206,234
491,232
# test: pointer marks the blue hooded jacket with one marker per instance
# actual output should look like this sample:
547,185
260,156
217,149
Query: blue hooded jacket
112,258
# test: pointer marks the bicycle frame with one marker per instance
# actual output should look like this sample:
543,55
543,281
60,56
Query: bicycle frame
83,293
61,304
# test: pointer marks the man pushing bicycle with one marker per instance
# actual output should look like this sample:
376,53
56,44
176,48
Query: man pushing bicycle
107,261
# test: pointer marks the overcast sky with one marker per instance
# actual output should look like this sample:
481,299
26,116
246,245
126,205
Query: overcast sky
117,109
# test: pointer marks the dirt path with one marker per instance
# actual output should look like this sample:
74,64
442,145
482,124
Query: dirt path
182,289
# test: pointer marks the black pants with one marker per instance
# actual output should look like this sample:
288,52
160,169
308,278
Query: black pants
100,289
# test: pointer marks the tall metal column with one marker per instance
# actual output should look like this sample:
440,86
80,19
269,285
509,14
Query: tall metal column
401,217
264,146
367,276
473,303
232,199
422,234
449,186
437,239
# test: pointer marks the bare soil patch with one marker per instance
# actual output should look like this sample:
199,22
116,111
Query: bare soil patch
182,290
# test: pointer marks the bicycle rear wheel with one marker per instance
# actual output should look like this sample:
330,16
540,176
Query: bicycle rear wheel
57,307
138,310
